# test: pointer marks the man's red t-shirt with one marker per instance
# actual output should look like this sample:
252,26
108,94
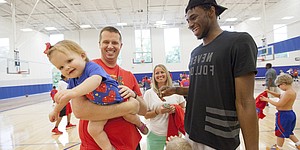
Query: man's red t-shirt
122,134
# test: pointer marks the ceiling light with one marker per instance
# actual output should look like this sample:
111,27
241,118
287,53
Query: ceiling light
3,1
287,17
255,18
231,19
121,24
84,26
161,22
50,28
26,29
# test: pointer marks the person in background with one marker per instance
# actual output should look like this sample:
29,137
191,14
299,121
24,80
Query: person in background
281,72
222,73
117,129
159,109
89,79
52,94
185,82
66,111
146,83
285,116
290,71
270,77
295,75
171,75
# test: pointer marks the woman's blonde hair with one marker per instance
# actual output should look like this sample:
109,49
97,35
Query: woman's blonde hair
284,78
66,46
168,81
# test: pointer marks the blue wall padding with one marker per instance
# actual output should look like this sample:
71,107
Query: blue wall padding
289,45
15,91
262,70
175,75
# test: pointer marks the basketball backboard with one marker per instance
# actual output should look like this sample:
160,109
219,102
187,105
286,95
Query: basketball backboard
267,53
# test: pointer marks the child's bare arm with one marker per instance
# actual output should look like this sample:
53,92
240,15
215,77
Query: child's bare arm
88,85
273,93
282,102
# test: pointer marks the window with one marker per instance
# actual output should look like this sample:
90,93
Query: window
4,53
142,53
172,45
4,47
280,32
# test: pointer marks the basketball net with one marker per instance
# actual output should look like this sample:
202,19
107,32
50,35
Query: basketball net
261,58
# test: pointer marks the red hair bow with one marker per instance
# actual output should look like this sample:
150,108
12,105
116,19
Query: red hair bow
48,46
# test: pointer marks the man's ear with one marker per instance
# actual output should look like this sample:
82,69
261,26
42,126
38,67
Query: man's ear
121,46
212,11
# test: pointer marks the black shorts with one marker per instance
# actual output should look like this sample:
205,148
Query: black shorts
63,112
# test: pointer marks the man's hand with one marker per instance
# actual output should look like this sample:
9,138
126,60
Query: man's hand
166,91
125,92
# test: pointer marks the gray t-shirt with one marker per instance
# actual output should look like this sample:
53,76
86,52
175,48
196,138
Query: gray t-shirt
211,117
271,75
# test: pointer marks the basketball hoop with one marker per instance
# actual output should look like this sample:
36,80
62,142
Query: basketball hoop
23,72
261,58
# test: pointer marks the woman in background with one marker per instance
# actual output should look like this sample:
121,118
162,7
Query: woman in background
159,109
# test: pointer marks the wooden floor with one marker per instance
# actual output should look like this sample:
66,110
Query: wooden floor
25,126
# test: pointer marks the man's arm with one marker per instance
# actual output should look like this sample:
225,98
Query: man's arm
167,91
126,92
245,107
85,110
143,107
269,83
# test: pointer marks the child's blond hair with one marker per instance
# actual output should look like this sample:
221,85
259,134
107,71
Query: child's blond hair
284,78
66,46
178,143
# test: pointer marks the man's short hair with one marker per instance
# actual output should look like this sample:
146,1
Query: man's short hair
269,65
110,29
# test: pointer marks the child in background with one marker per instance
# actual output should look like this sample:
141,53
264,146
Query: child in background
52,94
66,111
285,116
89,79
177,143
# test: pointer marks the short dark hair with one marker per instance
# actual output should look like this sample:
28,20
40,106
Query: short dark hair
269,65
110,29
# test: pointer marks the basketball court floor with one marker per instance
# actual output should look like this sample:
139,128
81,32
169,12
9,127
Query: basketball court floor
24,125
